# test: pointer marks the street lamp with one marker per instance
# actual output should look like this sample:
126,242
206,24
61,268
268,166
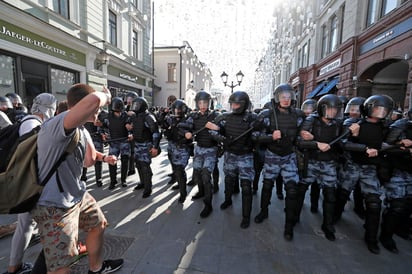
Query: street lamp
239,78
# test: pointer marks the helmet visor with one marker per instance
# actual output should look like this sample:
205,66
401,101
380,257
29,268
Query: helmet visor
332,112
352,110
203,105
379,112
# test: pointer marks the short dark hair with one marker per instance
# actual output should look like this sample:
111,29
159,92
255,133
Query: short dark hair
62,107
78,92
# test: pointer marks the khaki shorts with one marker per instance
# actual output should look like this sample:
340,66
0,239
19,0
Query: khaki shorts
59,229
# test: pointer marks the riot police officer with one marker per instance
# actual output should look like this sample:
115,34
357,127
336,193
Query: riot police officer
318,132
128,101
119,144
399,188
364,145
234,129
308,107
97,133
353,111
146,136
281,124
205,151
178,145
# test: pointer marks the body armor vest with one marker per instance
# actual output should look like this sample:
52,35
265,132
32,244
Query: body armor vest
287,123
324,133
141,133
203,138
94,131
398,160
234,127
371,135
117,126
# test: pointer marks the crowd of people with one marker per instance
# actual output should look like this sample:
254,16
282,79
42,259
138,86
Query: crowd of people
334,145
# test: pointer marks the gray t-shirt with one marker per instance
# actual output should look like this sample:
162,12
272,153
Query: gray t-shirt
52,142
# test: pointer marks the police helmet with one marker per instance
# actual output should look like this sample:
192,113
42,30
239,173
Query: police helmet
15,99
308,106
129,97
354,104
203,96
117,104
284,88
179,108
377,106
5,102
242,98
103,115
330,101
139,105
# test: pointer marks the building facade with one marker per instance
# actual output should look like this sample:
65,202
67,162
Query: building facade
47,46
179,75
350,48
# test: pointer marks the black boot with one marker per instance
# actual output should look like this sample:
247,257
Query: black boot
391,219
264,201
229,185
342,196
329,200
372,219
113,175
124,169
132,169
246,202
147,179
404,229
172,176
291,209
197,179
236,185
301,193
279,187
215,176
314,197
140,184
258,165
206,179
181,180
98,173
358,203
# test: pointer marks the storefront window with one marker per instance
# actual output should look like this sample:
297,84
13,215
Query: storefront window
7,72
61,81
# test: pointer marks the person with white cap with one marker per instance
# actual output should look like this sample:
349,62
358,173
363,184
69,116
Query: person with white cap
43,108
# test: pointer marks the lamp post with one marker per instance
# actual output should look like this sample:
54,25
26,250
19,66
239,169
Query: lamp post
239,78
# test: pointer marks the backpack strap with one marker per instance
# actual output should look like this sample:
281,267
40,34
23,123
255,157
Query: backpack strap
69,149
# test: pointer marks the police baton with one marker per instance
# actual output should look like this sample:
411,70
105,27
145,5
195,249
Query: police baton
339,138
241,135
389,147
116,140
198,131
346,133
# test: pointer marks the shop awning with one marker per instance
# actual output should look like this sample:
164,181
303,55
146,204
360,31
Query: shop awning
315,91
332,83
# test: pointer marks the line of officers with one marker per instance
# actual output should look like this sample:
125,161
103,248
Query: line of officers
301,147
